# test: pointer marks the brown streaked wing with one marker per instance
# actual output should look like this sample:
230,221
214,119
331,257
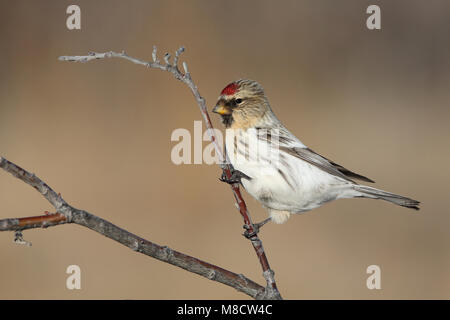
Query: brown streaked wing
323,163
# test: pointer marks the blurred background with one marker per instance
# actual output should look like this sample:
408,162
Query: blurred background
376,102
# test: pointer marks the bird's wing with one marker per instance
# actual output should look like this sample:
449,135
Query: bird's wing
290,144
323,163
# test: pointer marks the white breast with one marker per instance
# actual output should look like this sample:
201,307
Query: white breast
279,180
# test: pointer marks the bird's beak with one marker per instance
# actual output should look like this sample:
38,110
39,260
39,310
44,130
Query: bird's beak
222,110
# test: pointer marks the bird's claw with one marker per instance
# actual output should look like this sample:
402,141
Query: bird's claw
236,177
251,234
256,228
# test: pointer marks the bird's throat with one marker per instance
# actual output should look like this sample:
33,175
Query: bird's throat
227,120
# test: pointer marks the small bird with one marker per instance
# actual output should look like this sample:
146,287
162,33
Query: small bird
275,167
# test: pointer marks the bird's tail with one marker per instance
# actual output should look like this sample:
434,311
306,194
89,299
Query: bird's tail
373,193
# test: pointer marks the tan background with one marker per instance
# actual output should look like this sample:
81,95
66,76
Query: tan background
99,133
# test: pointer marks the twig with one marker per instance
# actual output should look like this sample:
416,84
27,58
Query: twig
271,290
106,228
18,238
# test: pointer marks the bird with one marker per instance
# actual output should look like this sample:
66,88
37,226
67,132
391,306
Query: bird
275,167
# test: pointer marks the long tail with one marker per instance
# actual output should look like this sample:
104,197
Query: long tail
370,192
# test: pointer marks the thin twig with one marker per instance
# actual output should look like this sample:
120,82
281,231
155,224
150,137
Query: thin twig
271,288
106,228
271,291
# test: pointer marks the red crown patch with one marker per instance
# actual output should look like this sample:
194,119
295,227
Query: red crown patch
230,89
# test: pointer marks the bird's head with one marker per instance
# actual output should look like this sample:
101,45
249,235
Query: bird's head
242,104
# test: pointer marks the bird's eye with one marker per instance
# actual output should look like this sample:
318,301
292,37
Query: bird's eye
238,101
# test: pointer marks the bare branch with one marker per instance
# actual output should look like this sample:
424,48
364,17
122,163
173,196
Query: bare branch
43,221
55,199
106,228
155,59
271,288
177,55
271,291
167,58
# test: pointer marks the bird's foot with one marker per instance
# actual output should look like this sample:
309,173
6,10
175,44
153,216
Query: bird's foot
236,177
256,229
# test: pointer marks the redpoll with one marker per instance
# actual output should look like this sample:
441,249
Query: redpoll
275,167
